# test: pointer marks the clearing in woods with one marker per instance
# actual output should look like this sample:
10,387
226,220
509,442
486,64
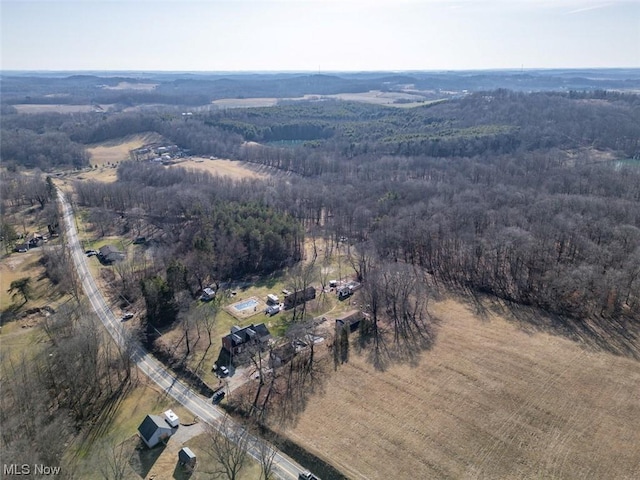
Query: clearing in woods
106,155
489,400
225,168
115,151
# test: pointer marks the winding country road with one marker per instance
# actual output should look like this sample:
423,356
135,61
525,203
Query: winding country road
283,466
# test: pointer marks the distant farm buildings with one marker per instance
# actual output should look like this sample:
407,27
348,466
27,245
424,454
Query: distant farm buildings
158,153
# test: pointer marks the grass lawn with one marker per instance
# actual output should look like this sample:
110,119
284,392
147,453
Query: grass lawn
250,471
42,292
324,305
122,429
225,168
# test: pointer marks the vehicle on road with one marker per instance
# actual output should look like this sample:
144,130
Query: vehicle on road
148,365
307,476
218,396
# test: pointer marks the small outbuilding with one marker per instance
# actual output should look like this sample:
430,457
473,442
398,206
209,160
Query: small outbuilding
350,320
298,297
186,457
344,292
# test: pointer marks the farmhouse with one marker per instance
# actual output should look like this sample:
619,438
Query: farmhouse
299,296
241,338
154,429
109,254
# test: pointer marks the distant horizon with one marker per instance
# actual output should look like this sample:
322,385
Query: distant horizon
318,35
324,72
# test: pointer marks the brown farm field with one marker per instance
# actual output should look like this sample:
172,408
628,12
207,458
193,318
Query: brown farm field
376,97
225,168
114,151
59,108
489,400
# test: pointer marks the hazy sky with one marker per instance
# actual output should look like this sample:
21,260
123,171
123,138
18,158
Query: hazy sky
224,35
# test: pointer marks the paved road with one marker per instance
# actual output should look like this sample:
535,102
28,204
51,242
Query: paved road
284,467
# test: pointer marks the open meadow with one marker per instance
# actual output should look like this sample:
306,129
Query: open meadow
225,168
115,151
489,400
59,108
376,97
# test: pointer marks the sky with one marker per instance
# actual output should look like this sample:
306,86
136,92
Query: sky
318,35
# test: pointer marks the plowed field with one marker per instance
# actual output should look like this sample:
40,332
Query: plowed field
489,400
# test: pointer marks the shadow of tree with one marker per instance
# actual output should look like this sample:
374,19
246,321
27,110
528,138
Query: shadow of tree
182,472
143,458
383,350
619,336
9,314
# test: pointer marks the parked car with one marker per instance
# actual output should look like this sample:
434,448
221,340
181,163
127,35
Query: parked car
224,371
218,396
91,253
127,316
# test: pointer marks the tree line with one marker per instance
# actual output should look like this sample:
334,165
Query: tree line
524,198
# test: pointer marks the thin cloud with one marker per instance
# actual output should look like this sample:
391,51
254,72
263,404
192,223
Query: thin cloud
588,9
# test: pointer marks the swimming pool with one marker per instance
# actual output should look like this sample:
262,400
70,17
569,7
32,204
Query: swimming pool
246,304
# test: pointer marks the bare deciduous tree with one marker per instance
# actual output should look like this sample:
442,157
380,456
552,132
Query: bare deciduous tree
266,456
227,445
114,461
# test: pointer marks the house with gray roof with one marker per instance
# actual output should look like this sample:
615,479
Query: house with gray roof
240,338
154,429
109,254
